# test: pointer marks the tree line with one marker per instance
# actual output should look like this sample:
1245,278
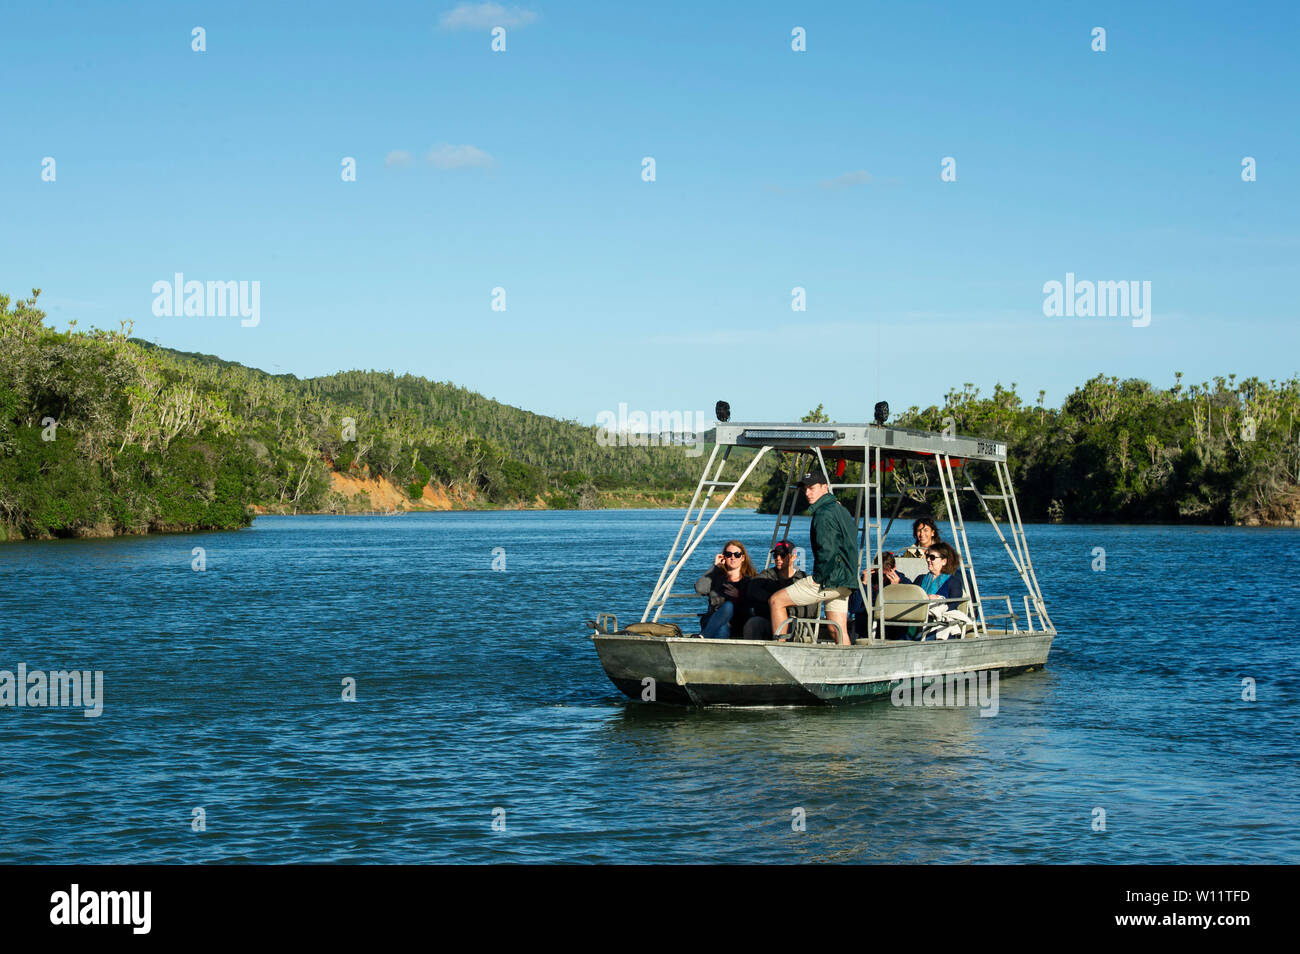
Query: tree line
1225,451
101,433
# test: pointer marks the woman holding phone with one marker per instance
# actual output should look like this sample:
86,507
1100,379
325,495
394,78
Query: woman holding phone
724,585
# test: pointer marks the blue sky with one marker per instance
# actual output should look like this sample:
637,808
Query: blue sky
774,169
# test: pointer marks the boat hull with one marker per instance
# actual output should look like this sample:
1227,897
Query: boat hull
734,672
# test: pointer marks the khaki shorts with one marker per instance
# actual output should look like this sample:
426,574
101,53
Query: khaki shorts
805,591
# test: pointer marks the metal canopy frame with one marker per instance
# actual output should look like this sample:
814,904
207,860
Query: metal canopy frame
871,448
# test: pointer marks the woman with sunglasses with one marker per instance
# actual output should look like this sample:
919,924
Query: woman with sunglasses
943,581
724,585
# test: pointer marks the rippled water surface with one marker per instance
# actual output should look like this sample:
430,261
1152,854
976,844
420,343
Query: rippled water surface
478,690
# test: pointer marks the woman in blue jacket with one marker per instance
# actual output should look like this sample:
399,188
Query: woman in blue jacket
943,581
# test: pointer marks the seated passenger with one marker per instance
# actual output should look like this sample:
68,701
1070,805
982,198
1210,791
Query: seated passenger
759,590
724,585
944,578
943,582
889,566
926,533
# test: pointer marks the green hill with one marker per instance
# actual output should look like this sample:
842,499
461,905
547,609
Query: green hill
101,433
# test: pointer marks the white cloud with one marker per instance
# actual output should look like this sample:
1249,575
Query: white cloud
398,158
857,177
459,157
485,16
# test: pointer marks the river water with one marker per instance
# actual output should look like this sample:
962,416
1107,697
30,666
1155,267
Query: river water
484,729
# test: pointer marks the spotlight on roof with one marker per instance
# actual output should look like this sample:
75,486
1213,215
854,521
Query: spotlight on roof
882,412
722,411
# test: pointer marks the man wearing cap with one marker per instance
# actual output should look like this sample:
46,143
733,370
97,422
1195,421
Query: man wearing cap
760,587
834,546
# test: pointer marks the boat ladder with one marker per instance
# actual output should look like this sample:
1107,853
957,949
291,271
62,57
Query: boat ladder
694,527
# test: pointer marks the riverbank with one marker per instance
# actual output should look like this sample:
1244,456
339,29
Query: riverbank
350,494
360,495
440,499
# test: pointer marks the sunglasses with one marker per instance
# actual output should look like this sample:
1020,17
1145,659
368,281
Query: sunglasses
732,554
931,557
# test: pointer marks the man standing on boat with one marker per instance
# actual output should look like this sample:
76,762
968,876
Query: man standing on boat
834,546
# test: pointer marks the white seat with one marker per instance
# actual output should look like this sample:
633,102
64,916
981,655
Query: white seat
902,604
911,567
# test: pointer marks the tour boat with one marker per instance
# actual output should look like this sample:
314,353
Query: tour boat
656,661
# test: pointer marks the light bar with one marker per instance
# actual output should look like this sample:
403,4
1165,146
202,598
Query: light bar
783,435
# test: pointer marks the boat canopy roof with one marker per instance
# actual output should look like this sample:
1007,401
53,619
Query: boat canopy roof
848,441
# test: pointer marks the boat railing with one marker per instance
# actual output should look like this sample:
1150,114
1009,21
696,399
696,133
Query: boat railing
899,609
683,596
1010,614
816,624
1032,608
608,622
894,612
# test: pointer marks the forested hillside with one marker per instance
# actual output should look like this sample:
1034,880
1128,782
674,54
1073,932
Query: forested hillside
101,433
540,442
97,436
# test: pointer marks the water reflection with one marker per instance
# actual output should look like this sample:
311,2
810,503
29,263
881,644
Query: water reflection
875,780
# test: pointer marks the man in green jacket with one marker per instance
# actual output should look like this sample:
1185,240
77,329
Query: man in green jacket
834,546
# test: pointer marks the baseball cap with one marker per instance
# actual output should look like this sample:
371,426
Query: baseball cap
814,477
